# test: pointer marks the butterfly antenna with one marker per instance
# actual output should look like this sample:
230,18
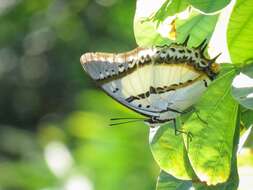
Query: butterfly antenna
132,121
124,118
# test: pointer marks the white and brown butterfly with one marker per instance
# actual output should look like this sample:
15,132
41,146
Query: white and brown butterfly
160,82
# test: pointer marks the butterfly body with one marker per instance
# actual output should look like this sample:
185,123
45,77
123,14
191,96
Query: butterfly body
159,82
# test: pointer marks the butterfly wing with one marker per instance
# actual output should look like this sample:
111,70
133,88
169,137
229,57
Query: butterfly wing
138,82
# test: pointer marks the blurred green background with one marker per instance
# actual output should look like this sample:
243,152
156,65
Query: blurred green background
54,122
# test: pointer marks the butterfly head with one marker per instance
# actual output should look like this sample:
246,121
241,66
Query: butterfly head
215,68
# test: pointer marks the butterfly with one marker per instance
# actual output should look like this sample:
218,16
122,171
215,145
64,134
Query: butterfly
159,82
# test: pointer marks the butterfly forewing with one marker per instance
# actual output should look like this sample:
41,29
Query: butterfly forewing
114,74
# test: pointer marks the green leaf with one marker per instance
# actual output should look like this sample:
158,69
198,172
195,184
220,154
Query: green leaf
230,184
209,6
213,127
248,69
242,89
170,8
198,26
167,182
240,40
233,181
146,34
150,30
170,153
247,118
146,25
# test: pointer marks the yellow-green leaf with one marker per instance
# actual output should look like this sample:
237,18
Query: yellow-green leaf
213,126
240,39
170,153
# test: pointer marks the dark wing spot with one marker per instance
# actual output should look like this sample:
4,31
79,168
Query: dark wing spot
131,98
152,90
203,63
115,90
189,51
205,83
142,95
148,58
147,94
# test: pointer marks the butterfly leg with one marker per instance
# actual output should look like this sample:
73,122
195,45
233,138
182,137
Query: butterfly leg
189,110
192,109
181,112
154,121
198,116
178,132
